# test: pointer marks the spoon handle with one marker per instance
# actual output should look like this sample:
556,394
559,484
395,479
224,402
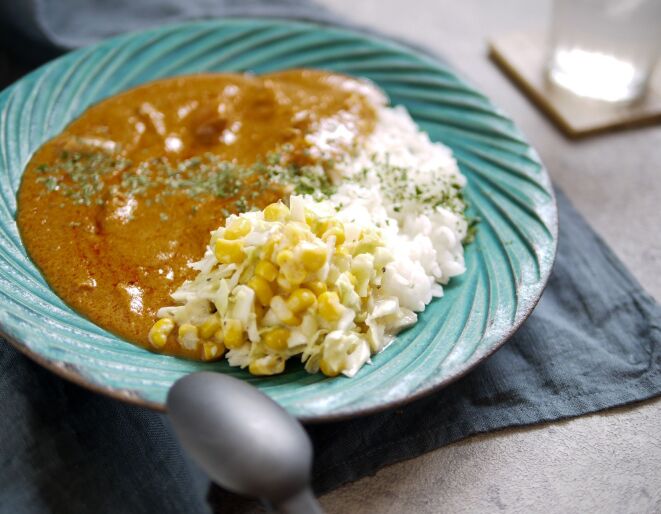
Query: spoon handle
301,503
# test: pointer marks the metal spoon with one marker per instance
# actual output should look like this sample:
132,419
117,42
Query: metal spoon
244,440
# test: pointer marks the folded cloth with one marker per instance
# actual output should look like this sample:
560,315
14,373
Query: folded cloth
48,27
593,342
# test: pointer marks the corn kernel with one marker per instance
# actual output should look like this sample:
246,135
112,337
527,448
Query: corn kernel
188,336
323,225
212,351
317,287
328,369
159,332
296,232
294,274
330,307
259,311
266,270
219,336
234,336
284,257
319,227
209,327
268,365
283,312
313,257
228,252
262,289
238,228
276,338
300,300
336,231
276,212
310,218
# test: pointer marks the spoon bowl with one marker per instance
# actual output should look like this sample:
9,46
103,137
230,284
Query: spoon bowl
243,440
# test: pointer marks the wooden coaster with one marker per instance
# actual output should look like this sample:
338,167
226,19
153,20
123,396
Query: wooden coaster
522,57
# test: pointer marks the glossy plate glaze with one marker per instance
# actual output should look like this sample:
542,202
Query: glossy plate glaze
507,264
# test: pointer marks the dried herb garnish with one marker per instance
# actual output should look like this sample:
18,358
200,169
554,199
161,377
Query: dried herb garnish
86,176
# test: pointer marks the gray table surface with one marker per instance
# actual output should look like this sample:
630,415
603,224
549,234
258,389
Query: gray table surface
608,462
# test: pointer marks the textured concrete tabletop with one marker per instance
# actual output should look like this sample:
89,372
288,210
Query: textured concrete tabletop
608,462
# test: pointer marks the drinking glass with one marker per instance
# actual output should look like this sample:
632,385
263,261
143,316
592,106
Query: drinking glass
604,49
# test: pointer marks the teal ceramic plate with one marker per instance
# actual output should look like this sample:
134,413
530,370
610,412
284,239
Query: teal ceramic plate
508,188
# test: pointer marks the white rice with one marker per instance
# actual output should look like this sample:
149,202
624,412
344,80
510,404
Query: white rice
426,240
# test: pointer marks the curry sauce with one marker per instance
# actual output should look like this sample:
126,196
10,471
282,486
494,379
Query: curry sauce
115,208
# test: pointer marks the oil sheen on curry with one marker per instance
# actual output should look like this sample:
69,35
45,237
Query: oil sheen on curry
115,207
